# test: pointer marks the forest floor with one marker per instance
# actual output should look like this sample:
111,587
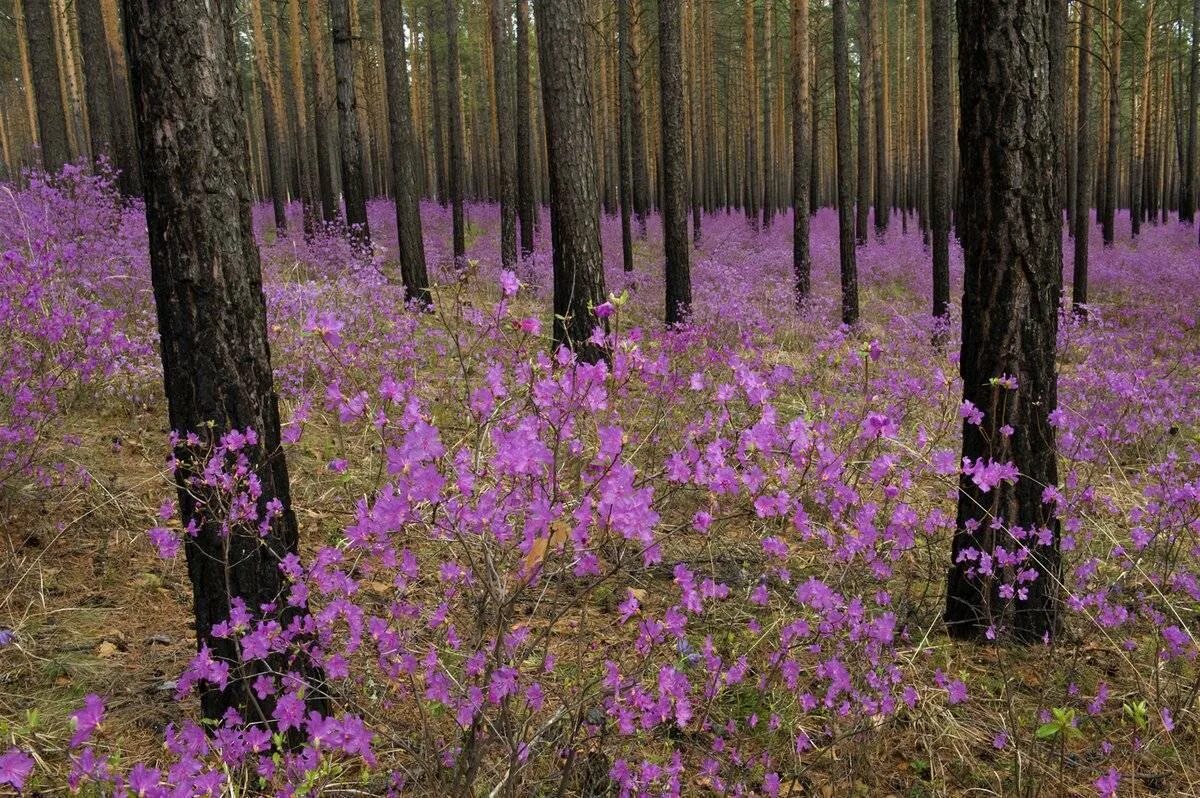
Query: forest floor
93,609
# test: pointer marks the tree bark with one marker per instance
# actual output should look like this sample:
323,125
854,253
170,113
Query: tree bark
941,131
1114,121
768,154
500,24
526,204
1187,194
318,36
674,163
574,206
354,190
1011,249
625,111
409,244
47,90
98,77
841,79
801,260
883,187
752,99
298,112
1141,128
457,145
866,54
211,316
271,122
1083,176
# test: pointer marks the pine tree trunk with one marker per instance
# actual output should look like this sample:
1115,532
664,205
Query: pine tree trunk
675,184
211,315
500,24
752,99
1187,194
271,127
99,80
883,188
625,113
1011,238
47,90
1083,177
801,144
526,205
637,139
349,143
941,132
866,52
571,161
1058,92
845,192
1114,121
409,244
298,111
457,144
768,148
318,40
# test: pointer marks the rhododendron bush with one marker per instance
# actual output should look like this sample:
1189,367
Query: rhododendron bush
713,565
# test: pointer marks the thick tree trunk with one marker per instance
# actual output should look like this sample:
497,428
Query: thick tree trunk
625,114
941,132
841,80
574,206
866,52
354,189
211,316
1083,157
675,184
1011,248
410,246
526,204
801,144
47,90
457,146
500,25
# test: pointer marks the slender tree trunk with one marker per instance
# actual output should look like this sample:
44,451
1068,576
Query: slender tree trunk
814,139
354,189
271,126
866,55
801,144
695,126
298,111
212,320
1141,127
1187,195
1058,92
768,159
841,80
526,205
47,90
1083,186
457,145
574,206
1011,251
500,24
941,131
674,198
318,40
1114,121
437,102
752,100
625,102
409,245
99,94
883,190
637,139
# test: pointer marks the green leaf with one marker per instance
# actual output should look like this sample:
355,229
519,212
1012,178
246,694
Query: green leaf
1047,730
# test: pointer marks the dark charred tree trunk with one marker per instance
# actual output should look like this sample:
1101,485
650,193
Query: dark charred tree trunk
625,101
801,260
405,191
500,24
318,42
1187,195
941,131
841,81
526,204
883,187
1083,176
1010,232
866,51
457,145
1108,223
212,316
354,187
564,58
674,163
47,91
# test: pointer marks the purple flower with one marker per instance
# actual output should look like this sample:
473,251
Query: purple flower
15,767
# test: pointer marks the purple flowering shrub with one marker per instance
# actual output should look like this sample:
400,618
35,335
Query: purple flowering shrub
713,565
